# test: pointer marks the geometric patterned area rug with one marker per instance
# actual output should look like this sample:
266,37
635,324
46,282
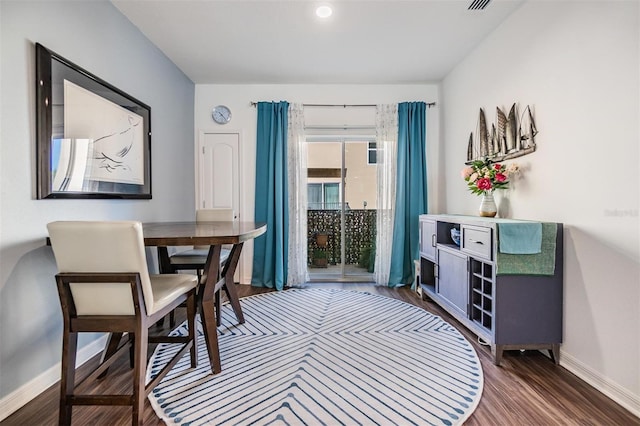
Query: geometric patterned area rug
324,357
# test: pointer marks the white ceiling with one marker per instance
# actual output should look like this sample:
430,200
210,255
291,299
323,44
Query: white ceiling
282,41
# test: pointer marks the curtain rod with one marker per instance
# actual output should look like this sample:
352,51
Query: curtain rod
429,104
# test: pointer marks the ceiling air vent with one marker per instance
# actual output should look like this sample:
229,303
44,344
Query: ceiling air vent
478,4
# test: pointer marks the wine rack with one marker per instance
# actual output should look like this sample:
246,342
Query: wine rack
482,295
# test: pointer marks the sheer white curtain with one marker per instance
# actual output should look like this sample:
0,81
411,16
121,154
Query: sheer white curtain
297,176
387,147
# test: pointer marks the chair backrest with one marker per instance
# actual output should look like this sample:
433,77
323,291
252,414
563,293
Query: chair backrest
117,247
213,215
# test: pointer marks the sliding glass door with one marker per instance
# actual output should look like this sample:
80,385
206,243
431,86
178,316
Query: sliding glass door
341,191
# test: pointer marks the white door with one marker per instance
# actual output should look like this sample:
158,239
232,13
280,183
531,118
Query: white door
218,177
219,171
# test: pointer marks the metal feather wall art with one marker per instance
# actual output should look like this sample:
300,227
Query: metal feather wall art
510,137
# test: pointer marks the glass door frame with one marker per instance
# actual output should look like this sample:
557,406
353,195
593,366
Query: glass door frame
341,277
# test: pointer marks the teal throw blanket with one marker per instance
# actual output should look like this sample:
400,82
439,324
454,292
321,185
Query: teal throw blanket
520,238
542,263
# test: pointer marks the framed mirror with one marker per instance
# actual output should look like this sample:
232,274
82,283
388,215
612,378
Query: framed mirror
93,140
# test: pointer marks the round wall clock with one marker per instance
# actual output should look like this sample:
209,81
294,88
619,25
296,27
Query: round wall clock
221,114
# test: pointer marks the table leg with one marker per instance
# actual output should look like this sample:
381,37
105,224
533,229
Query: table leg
229,285
109,349
210,332
164,267
206,304
210,292
164,264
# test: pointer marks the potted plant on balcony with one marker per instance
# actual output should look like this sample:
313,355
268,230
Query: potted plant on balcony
367,257
322,238
320,258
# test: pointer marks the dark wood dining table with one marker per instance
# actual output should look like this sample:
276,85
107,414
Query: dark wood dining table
214,235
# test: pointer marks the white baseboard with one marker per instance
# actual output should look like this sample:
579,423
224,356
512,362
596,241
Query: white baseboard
25,393
611,389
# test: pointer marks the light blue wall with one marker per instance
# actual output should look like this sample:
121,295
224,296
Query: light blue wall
94,35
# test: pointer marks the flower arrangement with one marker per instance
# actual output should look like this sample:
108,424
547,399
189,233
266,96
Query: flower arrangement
484,176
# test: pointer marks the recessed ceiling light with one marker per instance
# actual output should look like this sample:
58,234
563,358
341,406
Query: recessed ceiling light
324,11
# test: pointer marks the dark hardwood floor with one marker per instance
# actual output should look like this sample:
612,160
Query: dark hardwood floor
527,389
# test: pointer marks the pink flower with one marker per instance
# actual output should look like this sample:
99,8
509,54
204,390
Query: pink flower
484,184
484,176
513,168
466,172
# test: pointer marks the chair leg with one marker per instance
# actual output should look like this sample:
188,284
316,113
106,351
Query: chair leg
67,379
193,333
132,350
140,365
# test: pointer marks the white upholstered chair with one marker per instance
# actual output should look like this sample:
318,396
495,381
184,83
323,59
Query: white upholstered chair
196,257
104,286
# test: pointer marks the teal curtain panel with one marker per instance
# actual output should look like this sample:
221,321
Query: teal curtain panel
411,191
270,252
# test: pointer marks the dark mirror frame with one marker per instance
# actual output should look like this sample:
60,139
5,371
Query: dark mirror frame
51,72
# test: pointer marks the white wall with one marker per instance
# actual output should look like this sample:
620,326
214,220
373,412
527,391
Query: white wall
577,64
239,97
97,37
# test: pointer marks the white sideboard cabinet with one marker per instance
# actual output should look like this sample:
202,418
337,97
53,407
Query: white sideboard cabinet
511,301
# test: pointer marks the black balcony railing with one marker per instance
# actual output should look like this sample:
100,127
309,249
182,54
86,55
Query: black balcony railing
360,226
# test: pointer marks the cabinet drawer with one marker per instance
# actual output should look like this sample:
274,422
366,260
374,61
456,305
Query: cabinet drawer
477,241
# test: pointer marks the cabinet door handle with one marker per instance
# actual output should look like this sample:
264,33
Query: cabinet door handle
433,240
475,241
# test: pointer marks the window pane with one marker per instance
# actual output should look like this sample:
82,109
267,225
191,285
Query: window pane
314,195
372,153
332,195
